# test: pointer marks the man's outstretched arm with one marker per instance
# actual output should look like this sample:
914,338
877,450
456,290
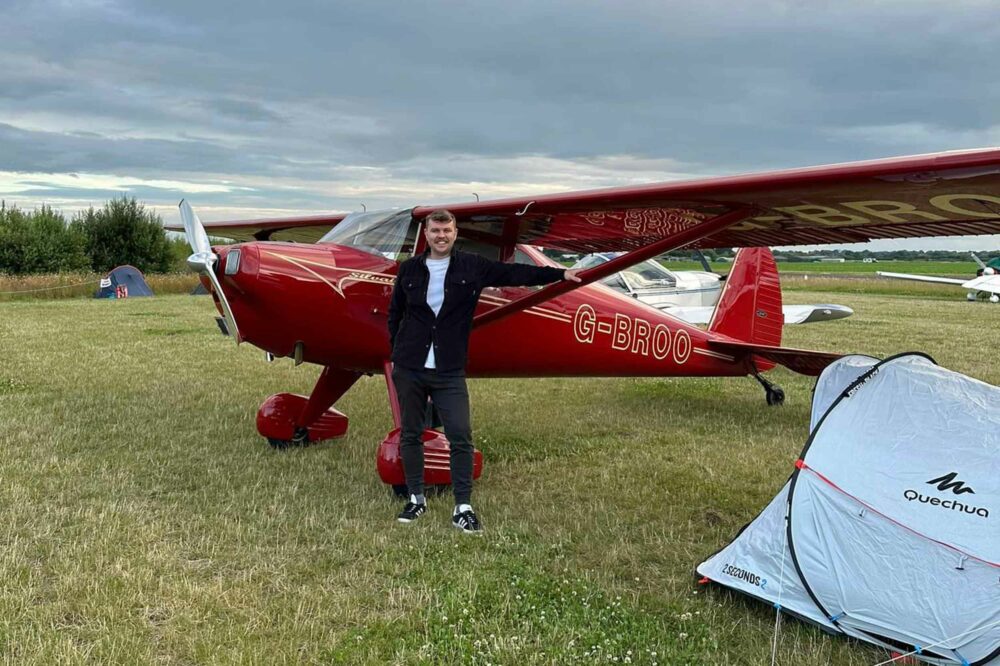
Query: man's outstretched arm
499,274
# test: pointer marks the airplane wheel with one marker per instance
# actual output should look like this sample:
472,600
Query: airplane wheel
775,396
400,490
300,438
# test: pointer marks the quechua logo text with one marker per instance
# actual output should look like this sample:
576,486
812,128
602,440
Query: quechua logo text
944,484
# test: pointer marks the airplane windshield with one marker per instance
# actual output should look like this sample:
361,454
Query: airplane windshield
644,275
387,233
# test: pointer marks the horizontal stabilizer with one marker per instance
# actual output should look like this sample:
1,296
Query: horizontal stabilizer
802,361
794,314
990,283
808,314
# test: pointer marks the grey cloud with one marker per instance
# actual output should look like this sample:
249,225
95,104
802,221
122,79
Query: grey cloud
302,91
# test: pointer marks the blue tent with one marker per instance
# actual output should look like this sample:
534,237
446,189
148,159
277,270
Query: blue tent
123,282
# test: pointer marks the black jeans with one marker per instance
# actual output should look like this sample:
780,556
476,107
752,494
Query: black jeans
451,398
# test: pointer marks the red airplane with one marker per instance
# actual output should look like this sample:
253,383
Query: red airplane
317,289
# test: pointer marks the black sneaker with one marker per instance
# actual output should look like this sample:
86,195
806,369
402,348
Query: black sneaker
411,511
466,520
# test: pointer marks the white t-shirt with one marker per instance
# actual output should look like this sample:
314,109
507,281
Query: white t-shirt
435,295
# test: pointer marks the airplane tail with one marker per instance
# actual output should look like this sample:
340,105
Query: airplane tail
749,317
749,308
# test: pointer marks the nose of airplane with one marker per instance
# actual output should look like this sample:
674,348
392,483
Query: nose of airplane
205,262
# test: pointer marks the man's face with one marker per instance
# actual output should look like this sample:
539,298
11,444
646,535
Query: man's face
440,237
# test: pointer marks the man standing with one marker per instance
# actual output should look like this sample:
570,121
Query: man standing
430,319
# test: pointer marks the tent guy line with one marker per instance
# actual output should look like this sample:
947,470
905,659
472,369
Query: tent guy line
933,645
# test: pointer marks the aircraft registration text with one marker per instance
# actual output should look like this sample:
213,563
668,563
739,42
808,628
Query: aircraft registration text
633,335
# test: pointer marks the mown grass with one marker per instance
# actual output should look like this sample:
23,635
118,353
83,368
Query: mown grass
144,520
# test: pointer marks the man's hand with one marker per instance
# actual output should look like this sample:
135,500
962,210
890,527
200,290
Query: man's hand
570,274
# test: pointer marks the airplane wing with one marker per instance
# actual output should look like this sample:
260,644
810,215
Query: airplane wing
920,278
304,229
943,194
794,314
987,283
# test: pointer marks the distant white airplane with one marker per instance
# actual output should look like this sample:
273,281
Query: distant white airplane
987,281
691,295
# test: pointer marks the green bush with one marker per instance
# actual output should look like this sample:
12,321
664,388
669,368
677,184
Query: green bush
39,242
124,232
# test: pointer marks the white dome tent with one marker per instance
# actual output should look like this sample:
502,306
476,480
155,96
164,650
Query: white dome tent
889,528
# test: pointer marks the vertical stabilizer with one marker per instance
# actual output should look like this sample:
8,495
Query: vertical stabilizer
749,307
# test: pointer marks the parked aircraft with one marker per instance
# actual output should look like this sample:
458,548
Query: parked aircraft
987,280
326,303
691,295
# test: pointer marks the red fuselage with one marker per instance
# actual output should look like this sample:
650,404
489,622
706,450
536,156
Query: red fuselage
334,300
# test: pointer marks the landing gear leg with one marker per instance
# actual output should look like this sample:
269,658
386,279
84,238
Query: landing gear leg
772,392
288,420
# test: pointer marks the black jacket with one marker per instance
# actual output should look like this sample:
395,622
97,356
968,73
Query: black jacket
413,328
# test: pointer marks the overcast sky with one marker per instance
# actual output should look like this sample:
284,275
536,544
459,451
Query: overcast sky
254,109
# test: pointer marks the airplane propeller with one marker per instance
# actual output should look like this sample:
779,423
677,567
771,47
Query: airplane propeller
203,261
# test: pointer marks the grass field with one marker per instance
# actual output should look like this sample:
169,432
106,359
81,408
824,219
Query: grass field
145,521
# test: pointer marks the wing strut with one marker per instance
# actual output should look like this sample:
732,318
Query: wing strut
665,244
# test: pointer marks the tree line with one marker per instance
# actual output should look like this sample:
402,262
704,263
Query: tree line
123,231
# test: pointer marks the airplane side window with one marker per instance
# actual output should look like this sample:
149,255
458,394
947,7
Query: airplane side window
650,271
491,252
387,233
617,283
522,258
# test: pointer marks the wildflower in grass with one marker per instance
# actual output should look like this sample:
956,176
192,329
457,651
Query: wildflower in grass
682,635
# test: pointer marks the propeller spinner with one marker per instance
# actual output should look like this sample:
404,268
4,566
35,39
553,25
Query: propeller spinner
203,261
